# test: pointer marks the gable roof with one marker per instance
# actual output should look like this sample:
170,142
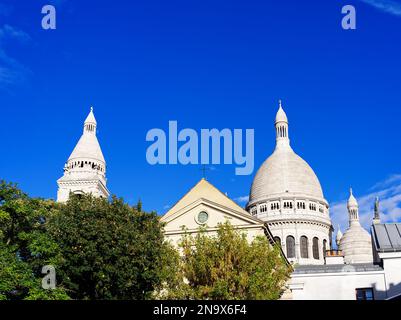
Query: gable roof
205,190
243,216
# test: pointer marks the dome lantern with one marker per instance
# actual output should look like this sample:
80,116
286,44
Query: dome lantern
281,124
353,208
90,123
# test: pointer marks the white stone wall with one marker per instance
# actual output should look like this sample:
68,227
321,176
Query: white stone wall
312,220
94,187
392,269
337,286
297,230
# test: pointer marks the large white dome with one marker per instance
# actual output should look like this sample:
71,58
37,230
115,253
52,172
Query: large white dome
287,195
285,172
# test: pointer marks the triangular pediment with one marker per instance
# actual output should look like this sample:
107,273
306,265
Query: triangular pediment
204,197
204,190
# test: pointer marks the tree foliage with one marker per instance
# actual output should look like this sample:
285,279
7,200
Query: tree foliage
228,266
105,249
110,249
25,246
100,249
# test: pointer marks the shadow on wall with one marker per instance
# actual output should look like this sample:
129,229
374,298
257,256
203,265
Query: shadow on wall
393,292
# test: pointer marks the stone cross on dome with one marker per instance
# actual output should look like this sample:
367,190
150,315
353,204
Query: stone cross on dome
204,169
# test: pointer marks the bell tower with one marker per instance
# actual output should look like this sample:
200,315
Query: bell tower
85,169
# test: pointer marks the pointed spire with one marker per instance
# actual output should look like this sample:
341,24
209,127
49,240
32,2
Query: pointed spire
376,218
91,117
88,145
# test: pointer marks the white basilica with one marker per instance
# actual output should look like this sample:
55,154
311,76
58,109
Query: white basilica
287,205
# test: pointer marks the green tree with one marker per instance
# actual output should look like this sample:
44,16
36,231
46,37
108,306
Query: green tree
228,266
110,249
25,246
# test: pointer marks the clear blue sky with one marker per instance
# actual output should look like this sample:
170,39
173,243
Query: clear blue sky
206,64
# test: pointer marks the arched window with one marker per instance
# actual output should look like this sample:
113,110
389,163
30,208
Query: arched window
304,247
324,247
277,240
290,244
315,248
